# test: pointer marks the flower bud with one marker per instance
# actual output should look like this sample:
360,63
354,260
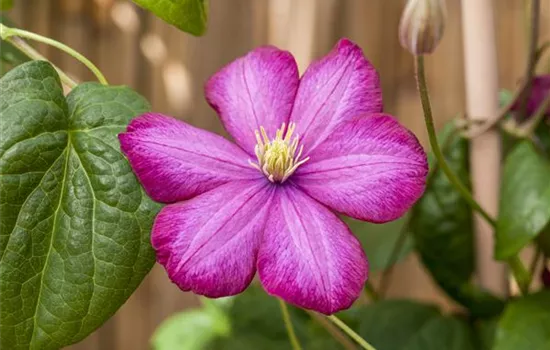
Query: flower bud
540,88
422,25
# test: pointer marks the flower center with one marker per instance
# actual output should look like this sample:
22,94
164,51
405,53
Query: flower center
277,158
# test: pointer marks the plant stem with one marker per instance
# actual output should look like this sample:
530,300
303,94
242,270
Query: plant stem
333,330
351,333
532,59
528,128
503,111
371,292
531,125
426,106
35,55
289,328
7,33
521,275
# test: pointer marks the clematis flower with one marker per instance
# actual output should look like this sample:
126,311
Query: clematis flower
304,149
540,89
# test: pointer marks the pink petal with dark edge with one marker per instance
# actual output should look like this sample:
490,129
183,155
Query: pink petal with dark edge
176,161
340,86
308,256
209,244
370,168
255,90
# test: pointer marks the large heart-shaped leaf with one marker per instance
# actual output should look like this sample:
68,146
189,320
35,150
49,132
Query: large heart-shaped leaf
524,200
442,226
406,325
74,230
188,15
525,324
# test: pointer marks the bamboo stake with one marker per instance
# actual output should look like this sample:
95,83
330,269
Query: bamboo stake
481,75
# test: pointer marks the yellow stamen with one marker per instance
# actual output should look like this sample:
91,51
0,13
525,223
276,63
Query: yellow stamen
277,158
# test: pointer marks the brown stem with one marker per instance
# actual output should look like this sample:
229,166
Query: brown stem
532,60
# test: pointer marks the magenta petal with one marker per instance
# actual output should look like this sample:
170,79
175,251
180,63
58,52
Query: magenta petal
209,244
370,168
255,90
308,256
336,88
175,161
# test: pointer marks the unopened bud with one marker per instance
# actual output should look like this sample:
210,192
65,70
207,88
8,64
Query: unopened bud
422,25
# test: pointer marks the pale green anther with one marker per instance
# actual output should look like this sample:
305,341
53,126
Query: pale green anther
277,158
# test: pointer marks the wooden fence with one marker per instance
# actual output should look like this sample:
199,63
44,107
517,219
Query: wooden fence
169,67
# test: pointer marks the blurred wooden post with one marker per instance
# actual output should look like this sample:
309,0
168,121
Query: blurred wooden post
481,73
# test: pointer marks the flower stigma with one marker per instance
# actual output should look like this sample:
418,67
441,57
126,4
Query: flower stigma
277,158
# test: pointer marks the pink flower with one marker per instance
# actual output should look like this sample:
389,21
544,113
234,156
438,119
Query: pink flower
304,148
540,88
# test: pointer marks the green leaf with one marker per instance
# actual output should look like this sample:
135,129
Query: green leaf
256,312
380,322
443,333
525,324
406,325
442,226
380,240
74,230
188,15
485,333
6,5
542,137
10,56
193,329
524,200
256,323
442,222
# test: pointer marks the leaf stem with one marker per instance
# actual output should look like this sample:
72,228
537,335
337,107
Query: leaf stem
453,178
289,328
335,332
35,55
520,273
520,91
7,33
532,59
351,333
